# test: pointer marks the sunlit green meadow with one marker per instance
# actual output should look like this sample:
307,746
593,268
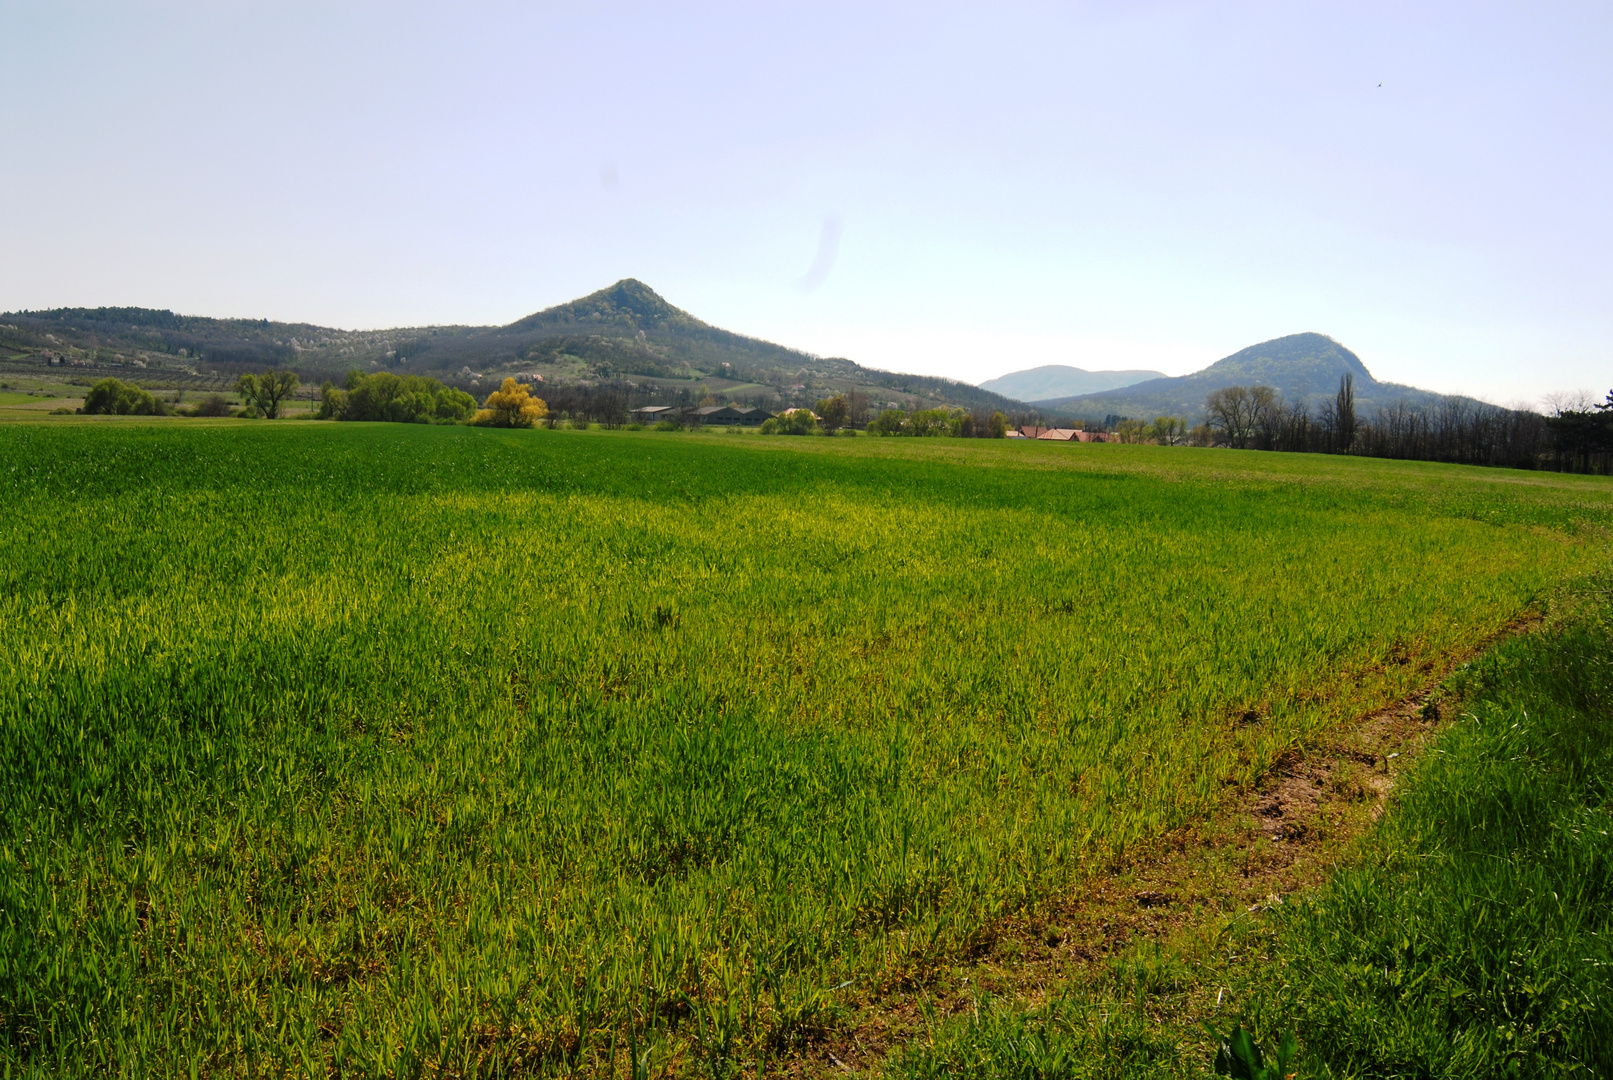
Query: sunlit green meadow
394,750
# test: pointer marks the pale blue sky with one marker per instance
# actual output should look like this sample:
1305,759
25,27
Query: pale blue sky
1107,185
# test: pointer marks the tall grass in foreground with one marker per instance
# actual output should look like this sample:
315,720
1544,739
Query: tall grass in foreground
421,749
1474,940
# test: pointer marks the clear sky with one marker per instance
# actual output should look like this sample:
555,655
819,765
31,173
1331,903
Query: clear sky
960,190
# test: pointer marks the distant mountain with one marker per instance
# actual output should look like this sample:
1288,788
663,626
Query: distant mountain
1301,367
625,337
1061,380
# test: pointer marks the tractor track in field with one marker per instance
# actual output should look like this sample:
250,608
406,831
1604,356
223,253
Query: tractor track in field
1282,836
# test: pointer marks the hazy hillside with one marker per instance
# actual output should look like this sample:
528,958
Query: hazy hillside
626,337
1061,380
1302,367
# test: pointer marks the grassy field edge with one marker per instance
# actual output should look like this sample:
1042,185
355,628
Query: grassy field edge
1463,934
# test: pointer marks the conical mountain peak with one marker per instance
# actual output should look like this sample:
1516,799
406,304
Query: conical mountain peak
1281,359
627,304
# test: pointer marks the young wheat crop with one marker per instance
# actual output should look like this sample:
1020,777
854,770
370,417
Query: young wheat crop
387,749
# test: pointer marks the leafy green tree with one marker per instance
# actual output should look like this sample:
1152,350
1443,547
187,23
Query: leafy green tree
1131,431
931,422
997,428
834,412
332,402
113,396
888,422
264,393
1168,430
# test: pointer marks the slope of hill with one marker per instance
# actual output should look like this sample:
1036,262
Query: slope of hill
1302,367
1061,380
625,336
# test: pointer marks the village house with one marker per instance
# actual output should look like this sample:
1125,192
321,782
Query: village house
654,414
1062,434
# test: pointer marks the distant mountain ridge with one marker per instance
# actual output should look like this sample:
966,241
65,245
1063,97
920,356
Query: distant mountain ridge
628,340
1302,367
1062,380
625,336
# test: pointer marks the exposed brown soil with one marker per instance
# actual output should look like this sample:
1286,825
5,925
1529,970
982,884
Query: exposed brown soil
1282,837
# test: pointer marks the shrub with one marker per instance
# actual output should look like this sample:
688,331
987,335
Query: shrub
791,422
511,406
212,405
114,397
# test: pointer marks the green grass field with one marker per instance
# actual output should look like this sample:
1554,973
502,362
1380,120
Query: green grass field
386,749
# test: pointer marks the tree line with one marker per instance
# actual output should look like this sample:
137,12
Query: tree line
114,397
840,412
374,397
415,399
952,422
1455,430
1576,437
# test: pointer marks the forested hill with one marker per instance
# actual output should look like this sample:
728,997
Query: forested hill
1301,367
625,336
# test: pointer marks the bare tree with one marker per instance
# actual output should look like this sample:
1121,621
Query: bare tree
1292,427
1228,413
857,408
1240,413
1265,416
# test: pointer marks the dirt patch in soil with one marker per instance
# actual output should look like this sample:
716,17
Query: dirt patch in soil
1283,836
